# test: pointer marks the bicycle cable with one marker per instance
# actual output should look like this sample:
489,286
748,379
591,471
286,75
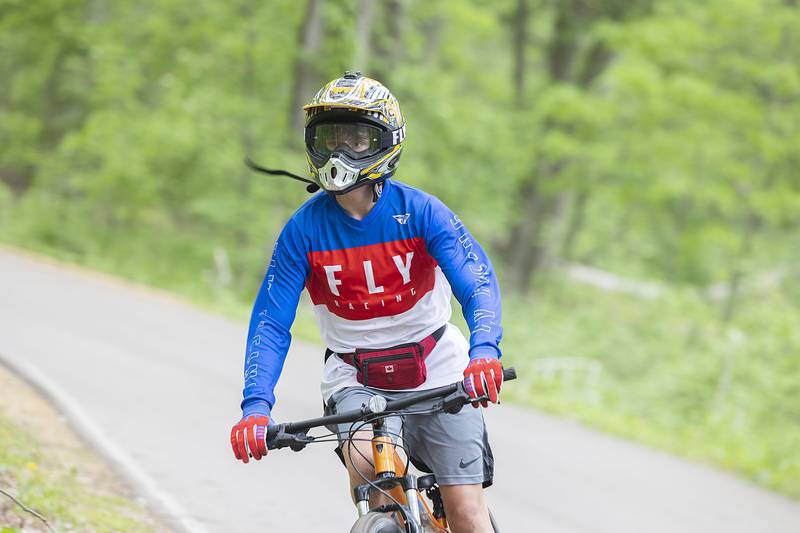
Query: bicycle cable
400,443
369,481
432,410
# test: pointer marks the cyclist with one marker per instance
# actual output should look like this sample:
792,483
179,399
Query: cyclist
379,259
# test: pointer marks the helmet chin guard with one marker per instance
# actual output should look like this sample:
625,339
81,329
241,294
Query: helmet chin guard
337,175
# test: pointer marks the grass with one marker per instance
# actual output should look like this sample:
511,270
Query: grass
669,373
57,489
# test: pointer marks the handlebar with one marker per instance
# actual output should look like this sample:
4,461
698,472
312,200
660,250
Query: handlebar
292,434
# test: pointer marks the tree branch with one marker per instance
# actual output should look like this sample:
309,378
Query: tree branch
28,509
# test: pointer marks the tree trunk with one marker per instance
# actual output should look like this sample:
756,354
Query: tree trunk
526,249
363,38
521,260
520,47
561,52
575,224
305,75
246,135
597,61
737,273
387,40
249,88
395,21
568,61
17,178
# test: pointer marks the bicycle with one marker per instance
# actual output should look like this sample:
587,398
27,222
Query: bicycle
410,510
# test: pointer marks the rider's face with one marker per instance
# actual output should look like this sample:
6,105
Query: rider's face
357,139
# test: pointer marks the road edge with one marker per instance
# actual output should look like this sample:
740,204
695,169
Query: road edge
158,500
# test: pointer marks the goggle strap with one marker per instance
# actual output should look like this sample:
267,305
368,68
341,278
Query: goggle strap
312,186
394,137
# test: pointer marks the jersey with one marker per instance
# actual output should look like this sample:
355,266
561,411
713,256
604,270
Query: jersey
377,282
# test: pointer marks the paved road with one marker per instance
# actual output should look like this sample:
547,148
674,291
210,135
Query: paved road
162,380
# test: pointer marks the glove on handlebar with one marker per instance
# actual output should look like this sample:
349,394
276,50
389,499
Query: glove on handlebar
483,376
248,437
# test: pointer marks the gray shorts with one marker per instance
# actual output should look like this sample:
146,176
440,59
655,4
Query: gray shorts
455,447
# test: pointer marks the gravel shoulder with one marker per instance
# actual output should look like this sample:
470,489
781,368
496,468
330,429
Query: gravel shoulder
49,468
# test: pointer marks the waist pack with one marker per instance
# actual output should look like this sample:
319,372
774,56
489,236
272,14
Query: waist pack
396,368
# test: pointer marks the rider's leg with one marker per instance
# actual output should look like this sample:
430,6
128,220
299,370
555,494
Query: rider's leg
466,508
357,454
358,460
456,448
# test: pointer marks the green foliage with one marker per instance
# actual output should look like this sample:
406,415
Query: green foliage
657,140
668,373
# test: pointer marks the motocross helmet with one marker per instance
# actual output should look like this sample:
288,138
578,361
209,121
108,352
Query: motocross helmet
354,133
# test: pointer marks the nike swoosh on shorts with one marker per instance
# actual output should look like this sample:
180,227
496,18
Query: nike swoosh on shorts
462,464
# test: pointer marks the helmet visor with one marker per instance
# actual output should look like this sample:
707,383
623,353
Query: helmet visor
357,139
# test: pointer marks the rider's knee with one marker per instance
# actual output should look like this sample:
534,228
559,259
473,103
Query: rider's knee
466,508
358,458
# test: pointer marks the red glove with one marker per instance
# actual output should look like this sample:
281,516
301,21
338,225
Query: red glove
249,437
483,376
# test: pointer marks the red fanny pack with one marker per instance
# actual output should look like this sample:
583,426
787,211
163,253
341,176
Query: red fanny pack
396,368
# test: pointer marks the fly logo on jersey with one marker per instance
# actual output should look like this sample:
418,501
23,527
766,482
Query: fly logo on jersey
371,281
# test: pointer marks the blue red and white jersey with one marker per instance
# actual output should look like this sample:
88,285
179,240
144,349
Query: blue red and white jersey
375,283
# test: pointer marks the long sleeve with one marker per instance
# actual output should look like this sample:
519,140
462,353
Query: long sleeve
470,274
273,313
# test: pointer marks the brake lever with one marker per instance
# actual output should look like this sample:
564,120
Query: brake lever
295,441
453,402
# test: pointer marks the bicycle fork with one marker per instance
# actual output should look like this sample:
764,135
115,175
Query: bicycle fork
386,477
409,486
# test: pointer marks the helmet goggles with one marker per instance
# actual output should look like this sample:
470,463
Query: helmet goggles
356,139
361,138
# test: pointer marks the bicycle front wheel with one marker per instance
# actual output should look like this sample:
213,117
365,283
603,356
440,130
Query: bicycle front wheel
374,522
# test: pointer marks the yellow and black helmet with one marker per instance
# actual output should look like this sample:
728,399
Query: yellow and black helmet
354,133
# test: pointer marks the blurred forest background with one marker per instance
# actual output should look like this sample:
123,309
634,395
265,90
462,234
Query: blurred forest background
632,166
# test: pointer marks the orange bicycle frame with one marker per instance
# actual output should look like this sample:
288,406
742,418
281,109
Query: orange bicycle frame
389,466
